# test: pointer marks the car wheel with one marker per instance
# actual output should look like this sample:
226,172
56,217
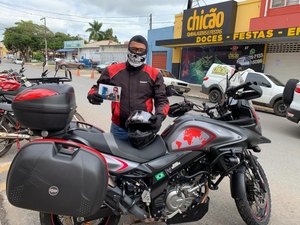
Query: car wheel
215,96
80,67
288,92
279,108
63,67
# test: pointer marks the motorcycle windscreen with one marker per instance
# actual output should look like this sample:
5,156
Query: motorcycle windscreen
59,177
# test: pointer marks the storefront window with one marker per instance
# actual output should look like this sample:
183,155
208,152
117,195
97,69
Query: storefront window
196,61
281,3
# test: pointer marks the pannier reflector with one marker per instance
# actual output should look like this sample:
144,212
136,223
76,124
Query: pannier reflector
34,94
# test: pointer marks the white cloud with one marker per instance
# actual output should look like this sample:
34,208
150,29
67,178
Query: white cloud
127,18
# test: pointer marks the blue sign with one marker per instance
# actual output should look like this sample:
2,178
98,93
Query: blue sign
74,44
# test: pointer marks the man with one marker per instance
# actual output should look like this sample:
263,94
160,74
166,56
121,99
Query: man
140,85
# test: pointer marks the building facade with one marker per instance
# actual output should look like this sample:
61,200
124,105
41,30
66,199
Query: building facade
160,57
228,31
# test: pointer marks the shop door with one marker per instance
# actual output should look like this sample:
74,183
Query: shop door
159,60
282,60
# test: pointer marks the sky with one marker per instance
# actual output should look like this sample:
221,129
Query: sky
126,17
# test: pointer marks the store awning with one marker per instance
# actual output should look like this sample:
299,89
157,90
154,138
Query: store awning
243,38
67,50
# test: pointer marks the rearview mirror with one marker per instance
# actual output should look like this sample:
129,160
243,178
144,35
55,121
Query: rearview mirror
250,92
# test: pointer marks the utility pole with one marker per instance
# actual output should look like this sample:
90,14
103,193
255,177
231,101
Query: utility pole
150,24
46,49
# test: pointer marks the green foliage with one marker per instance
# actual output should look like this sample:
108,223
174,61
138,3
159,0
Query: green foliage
95,31
38,56
108,35
24,37
97,35
57,40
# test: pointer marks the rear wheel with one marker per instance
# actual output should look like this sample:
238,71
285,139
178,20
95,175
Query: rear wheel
215,96
80,67
256,208
63,67
52,219
279,108
288,92
5,144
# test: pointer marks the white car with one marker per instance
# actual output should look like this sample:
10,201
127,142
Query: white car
272,87
179,85
291,97
102,66
18,61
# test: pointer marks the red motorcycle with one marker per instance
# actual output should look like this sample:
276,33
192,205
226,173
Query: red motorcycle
80,175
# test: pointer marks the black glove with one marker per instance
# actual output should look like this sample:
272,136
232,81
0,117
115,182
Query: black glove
94,97
156,121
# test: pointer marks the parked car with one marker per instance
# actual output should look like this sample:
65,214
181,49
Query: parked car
291,98
18,61
271,86
69,63
101,67
179,85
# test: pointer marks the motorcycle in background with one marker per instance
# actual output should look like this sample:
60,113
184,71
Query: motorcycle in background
11,84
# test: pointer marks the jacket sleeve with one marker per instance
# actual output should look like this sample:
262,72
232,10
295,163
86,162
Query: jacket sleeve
161,101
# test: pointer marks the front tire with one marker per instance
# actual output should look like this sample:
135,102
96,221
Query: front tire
5,144
288,92
256,209
78,117
52,219
215,96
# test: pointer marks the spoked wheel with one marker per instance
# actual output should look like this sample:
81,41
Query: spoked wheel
78,117
256,209
5,144
52,219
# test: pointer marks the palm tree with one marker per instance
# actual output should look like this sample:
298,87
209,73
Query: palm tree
95,31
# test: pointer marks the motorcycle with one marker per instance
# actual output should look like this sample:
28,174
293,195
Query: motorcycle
11,84
81,175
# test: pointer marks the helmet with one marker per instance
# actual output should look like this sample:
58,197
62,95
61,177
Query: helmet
140,132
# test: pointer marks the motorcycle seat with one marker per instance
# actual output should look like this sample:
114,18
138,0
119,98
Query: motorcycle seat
107,143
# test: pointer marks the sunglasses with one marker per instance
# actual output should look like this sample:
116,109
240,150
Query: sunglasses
140,51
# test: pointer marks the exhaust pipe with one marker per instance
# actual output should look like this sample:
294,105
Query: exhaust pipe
115,194
4,135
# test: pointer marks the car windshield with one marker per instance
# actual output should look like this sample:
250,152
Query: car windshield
167,74
275,80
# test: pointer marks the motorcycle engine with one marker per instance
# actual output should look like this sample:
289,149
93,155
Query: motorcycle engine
180,198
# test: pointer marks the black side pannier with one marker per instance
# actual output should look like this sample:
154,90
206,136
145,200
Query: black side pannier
47,107
59,177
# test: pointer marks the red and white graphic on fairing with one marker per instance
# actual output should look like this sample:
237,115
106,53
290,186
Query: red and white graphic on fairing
115,164
192,138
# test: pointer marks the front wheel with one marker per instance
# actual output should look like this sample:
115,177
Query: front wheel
256,208
78,117
52,219
5,144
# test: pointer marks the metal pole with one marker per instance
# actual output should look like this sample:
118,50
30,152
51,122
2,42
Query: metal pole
150,24
46,48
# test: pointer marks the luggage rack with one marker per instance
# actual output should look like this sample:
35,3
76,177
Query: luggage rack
44,79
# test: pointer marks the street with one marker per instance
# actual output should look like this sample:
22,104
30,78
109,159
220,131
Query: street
280,160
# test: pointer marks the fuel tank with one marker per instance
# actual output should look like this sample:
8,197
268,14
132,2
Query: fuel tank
194,132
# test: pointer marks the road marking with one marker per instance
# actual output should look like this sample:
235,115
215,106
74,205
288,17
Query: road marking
4,167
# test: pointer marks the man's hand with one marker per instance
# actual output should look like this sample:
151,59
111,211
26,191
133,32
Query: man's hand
93,96
156,122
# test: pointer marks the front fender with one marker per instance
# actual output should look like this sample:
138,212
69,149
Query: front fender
237,184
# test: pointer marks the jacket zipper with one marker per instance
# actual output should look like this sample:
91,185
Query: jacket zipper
129,91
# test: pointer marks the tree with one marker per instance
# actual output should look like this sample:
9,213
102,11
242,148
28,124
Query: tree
24,37
95,31
56,41
108,35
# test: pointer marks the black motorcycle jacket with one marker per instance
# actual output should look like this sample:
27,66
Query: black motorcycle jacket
142,88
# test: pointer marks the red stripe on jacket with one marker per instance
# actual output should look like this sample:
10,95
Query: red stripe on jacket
151,71
115,68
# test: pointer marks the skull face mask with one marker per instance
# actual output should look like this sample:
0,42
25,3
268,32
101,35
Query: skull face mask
135,60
